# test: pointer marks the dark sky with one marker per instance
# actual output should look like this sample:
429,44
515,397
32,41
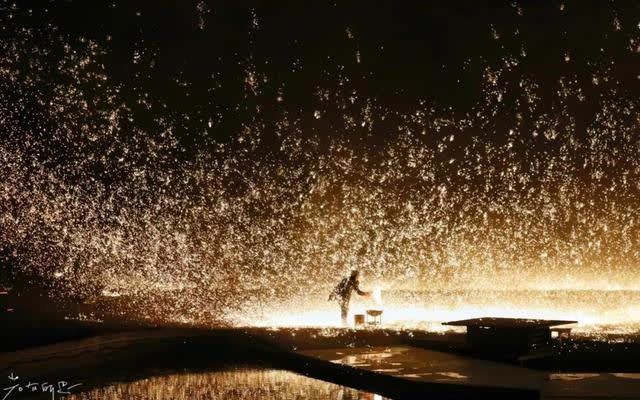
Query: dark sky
408,51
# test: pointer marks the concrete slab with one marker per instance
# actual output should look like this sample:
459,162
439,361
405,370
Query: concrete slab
592,386
418,364
432,366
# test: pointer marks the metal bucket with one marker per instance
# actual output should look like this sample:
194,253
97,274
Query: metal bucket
374,317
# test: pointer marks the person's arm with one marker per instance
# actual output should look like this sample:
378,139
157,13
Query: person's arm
360,291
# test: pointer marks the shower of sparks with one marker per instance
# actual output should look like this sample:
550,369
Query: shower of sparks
518,208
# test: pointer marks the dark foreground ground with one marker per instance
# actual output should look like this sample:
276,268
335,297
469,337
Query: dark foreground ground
573,355
129,356
100,353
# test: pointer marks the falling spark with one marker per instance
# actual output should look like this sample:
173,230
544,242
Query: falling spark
256,230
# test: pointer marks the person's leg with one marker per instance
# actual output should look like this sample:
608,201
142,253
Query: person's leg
344,311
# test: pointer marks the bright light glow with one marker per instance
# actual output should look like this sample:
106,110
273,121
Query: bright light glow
408,315
525,206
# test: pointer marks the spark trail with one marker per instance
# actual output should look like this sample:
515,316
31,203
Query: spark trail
532,190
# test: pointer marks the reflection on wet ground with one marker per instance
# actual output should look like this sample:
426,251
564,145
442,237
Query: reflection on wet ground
426,365
236,384
432,366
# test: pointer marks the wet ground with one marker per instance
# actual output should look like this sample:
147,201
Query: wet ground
124,359
396,364
233,384
433,366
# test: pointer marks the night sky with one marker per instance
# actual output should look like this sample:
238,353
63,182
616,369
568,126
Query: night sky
395,53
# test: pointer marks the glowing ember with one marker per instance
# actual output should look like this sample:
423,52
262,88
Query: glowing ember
526,205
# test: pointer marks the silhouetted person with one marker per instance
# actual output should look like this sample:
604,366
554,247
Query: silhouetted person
342,292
